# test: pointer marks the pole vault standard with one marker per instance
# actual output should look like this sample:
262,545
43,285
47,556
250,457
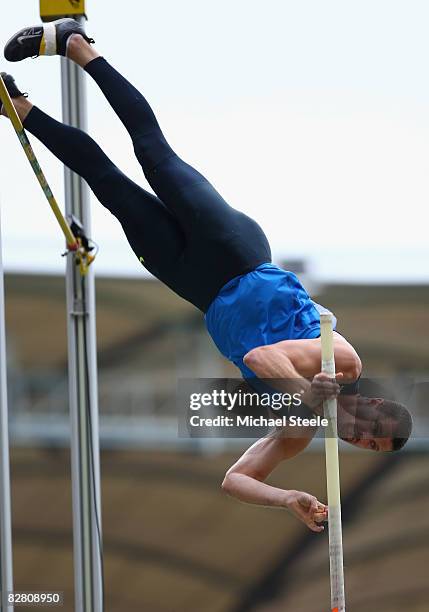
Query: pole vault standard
6,580
83,388
332,472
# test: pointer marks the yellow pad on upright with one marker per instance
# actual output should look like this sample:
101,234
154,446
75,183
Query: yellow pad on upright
42,49
53,9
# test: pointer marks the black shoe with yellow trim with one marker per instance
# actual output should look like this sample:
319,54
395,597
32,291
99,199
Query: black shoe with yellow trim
47,39
11,87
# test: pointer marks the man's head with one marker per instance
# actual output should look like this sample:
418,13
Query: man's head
374,423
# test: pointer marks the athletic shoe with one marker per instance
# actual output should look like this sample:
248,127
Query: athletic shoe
47,39
11,87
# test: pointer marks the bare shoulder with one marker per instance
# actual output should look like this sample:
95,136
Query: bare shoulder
305,355
347,359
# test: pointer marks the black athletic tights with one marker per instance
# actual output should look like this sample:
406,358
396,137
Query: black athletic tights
188,236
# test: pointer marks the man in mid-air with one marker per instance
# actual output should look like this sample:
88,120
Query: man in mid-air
215,257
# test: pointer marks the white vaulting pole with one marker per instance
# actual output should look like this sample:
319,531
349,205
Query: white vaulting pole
332,472
83,387
6,584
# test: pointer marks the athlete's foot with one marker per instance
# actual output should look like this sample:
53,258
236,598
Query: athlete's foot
80,51
48,39
22,105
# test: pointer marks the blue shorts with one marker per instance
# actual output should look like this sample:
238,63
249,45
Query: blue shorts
262,307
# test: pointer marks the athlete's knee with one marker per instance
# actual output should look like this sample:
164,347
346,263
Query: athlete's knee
151,149
107,177
111,187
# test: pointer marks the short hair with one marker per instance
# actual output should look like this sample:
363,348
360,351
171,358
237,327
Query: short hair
403,421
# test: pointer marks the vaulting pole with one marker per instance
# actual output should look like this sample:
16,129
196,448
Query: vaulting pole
6,584
332,472
83,387
72,244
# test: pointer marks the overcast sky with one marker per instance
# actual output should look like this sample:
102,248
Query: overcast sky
310,116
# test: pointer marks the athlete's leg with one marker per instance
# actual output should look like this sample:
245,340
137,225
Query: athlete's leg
168,175
151,229
221,242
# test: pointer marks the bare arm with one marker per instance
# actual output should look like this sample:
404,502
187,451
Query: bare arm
245,479
289,363
295,358
272,362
